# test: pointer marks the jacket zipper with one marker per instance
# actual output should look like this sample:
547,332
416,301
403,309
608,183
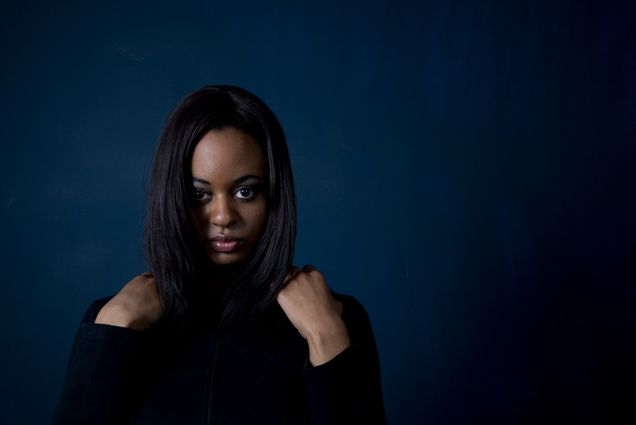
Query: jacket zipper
210,410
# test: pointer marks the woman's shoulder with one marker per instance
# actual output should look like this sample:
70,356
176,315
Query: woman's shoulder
347,300
94,307
352,309
356,318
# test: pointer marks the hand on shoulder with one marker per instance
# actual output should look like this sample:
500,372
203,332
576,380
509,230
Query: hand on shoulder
310,307
135,306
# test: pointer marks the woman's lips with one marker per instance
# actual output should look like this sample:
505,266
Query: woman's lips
225,245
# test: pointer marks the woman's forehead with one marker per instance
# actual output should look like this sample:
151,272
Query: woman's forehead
227,154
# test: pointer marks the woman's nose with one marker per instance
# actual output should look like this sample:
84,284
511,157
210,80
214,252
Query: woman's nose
222,213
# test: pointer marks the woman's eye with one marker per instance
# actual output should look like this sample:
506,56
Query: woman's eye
199,195
245,193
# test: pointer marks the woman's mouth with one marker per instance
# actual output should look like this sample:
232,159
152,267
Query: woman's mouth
222,244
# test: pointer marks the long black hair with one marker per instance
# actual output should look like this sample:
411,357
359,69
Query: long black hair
174,254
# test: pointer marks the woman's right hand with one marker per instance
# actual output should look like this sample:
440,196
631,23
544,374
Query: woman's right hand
136,306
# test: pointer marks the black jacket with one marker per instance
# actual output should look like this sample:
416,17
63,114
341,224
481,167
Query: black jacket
248,374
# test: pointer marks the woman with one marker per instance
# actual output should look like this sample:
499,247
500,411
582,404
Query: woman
223,329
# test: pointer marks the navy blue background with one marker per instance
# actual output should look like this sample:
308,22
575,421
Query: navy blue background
464,168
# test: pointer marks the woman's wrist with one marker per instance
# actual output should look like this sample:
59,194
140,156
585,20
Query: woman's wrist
136,305
327,342
115,315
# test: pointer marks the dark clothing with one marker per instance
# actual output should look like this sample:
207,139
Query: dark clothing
248,374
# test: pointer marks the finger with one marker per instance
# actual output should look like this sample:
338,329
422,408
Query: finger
292,273
339,307
309,268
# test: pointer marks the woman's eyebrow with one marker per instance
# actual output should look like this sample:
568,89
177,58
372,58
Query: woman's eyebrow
198,180
237,181
248,177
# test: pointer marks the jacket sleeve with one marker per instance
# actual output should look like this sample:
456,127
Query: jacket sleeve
347,389
102,377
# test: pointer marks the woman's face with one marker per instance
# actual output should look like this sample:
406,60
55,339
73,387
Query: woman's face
228,189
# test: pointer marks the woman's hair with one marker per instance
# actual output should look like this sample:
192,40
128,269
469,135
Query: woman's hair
173,251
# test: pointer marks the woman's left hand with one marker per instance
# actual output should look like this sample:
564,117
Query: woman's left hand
308,304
